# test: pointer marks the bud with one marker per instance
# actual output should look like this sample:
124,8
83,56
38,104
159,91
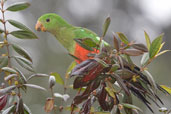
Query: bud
52,81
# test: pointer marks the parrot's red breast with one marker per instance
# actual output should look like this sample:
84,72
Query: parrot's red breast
82,53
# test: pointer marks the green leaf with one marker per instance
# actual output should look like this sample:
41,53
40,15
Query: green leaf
1,31
168,89
162,52
18,25
18,6
131,106
155,46
116,43
144,59
106,25
22,52
147,38
59,80
151,80
82,44
103,63
23,34
123,38
8,69
3,61
71,66
24,63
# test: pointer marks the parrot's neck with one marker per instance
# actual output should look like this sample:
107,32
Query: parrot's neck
64,35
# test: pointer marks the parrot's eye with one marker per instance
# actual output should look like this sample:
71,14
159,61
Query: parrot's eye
47,20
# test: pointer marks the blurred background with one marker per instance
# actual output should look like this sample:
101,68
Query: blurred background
131,17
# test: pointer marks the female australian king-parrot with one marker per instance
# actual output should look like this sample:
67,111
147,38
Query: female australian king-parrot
65,33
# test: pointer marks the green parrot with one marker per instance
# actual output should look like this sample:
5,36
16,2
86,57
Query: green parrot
65,33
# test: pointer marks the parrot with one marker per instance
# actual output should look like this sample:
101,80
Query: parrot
65,33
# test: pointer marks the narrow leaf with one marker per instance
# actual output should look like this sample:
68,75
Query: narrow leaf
81,43
35,86
123,38
116,43
140,47
24,63
26,109
71,66
162,52
151,80
6,90
18,25
155,46
23,34
18,7
131,106
22,52
8,69
132,52
37,75
8,110
144,59
106,25
3,61
168,89
7,78
147,38
59,80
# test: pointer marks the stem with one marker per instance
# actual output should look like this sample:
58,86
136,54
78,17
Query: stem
5,31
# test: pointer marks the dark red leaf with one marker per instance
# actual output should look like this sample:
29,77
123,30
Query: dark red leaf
3,101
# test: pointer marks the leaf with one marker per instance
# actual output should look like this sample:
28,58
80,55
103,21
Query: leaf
3,61
7,78
8,110
106,26
24,63
148,42
103,63
9,69
140,47
162,52
59,80
37,75
7,89
144,59
71,66
123,38
23,34
101,113
3,101
132,52
35,86
21,52
151,80
168,89
155,46
18,6
131,106
18,25
20,106
22,78
26,109
1,31
49,105
116,43
65,97
81,43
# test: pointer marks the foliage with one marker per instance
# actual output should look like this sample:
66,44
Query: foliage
109,77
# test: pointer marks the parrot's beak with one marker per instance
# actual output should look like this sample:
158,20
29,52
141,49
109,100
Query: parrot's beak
40,27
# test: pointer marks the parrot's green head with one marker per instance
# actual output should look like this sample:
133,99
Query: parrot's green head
50,22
